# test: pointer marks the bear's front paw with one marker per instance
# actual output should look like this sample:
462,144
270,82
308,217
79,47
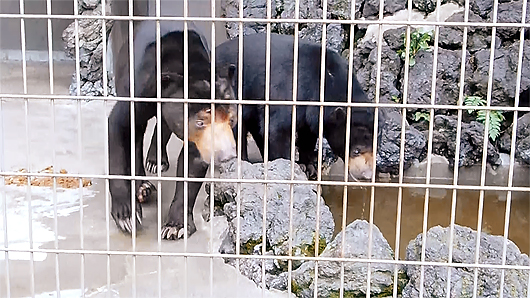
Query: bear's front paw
122,216
151,164
145,191
174,231
310,171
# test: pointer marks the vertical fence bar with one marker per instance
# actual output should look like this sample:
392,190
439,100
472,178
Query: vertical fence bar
512,148
106,140
429,148
402,149
346,148
54,186
186,143
26,118
159,146
323,72
239,136
266,143
293,143
212,159
132,94
4,202
485,146
79,145
374,144
457,149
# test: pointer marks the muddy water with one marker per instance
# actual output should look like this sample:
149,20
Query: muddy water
439,212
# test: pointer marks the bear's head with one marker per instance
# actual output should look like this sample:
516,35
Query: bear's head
361,159
211,130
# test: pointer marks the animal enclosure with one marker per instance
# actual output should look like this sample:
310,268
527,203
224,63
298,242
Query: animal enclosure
327,148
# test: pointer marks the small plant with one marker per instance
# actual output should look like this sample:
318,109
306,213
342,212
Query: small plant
396,98
495,118
418,41
421,115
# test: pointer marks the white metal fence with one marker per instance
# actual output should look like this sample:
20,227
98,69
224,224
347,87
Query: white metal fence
374,183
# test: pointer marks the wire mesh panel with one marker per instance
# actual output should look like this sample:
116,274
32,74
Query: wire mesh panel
276,148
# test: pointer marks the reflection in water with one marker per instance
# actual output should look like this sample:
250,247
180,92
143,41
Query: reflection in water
385,212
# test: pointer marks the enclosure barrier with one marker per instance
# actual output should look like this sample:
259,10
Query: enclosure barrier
344,183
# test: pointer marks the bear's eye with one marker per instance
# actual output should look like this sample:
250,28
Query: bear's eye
208,111
199,123
356,151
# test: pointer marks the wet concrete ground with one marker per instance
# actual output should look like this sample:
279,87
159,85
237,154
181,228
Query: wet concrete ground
82,218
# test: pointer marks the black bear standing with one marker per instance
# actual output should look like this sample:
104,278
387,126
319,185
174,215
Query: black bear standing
200,121
307,117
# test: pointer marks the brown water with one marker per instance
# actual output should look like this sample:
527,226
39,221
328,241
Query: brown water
439,212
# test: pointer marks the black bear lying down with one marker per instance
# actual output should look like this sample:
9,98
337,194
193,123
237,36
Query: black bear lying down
199,121
307,117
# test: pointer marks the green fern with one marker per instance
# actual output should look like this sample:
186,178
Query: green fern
495,117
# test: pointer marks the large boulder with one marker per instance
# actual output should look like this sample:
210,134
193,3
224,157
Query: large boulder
504,73
462,278
365,65
522,140
304,217
471,141
388,151
90,38
355,274
447,77
511,12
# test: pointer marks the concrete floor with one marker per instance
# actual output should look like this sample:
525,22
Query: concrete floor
82,219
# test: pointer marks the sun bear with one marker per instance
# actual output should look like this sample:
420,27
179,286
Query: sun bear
199,121
307,117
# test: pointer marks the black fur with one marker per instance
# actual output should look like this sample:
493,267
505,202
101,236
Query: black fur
172,70
307,117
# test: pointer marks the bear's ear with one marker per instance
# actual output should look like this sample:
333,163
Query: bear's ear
339,114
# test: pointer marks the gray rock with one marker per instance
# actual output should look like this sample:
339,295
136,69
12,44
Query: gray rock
448,76
334,35
90,51
511,12
522,139
308,9
462,278
277,220
480,7
90,32
471,141
504,73
355,274
251,9
388,150
366,70
371,7
523,150
451,37
341,9
89,88
426,6
395,38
